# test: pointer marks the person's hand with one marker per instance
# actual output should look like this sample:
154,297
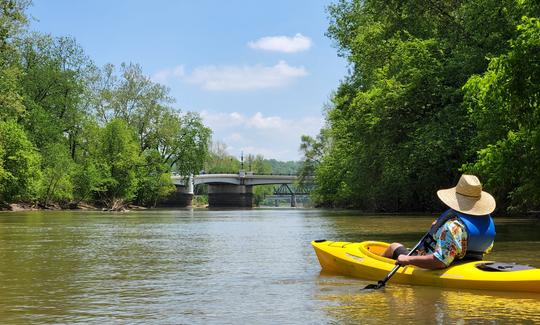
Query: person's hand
402,260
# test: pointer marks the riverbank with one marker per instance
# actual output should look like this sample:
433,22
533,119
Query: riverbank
24,206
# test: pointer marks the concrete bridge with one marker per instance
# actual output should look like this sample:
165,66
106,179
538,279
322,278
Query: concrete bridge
225,190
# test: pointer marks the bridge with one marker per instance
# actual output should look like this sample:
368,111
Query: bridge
291,193
226,190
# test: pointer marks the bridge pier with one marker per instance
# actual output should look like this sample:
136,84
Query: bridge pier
229,196
180,198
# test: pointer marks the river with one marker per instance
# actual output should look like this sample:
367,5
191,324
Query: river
229,267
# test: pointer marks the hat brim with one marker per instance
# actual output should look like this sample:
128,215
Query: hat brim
467,204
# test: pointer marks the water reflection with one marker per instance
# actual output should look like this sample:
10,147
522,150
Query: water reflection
226,267
425,305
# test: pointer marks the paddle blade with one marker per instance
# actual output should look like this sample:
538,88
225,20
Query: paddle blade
378,285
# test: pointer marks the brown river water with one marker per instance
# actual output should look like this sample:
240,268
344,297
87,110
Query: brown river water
230,267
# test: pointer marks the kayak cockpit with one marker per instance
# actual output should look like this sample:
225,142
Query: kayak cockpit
375,249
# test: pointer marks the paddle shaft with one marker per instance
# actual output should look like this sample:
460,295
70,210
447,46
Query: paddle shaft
382,282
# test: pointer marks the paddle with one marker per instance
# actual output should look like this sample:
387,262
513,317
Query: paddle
382,283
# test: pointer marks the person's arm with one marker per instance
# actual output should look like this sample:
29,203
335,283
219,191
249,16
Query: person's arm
426,261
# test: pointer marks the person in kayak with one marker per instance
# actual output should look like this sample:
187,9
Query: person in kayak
465,231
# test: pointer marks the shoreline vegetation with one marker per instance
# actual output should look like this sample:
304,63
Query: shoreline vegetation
71,131
435,90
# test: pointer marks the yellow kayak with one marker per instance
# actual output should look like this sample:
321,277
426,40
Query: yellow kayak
363,260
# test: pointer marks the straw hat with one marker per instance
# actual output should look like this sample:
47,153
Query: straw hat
467,197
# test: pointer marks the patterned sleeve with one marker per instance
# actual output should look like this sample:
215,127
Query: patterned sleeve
450,238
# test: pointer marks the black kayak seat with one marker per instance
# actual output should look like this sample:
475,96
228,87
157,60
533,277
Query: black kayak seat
503,267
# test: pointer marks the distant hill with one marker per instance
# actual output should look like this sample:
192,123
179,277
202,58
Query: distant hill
284,167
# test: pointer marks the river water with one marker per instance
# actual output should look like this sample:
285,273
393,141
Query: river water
229,267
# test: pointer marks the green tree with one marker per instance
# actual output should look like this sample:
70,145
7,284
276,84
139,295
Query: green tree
19,170
504,103
182,142
256,164
57,168
154,179
11,100
119,159
12,20
87,181
56,72
220,160
284,167
89,173
98,132
397,126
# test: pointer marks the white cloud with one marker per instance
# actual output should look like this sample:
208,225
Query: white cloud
271,136
285,44
234,137
258,121
164,75
223,78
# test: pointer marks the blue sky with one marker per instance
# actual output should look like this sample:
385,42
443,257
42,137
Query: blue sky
259,73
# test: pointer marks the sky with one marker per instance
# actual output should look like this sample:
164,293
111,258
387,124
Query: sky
258,72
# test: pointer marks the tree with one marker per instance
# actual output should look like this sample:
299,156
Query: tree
11,103
12,20
19,164
258,165
507,96
220,160
119,159
89,175
397,126
87,180
57,168
56,72
98,132
284,167
154,179
182,142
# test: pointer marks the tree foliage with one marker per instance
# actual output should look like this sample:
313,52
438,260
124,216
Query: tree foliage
19,164
398,126
70,131
57,169
118,158
220,160
504,104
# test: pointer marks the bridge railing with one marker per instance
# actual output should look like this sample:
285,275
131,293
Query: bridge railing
249,173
